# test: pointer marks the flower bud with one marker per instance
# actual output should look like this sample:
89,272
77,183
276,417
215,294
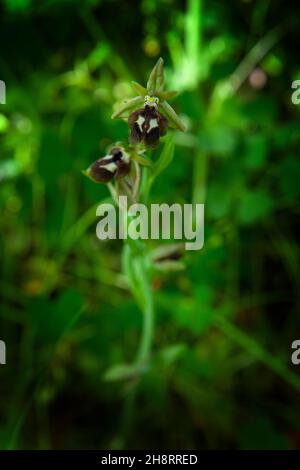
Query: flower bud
167,258
117,163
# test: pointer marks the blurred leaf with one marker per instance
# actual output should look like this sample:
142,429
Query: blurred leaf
198,314
219,200
254,206
170,354
255,152
121,372
287,134
273,64
51,319
87,133
289,177
9,169
260,434
165,158
17,5
217,139
54,159
4,123
261,111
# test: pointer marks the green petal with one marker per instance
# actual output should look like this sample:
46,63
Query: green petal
160,79
141,90
129,105
156,77
169,112
165,95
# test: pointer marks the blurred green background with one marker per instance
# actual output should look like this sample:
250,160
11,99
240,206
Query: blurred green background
221,374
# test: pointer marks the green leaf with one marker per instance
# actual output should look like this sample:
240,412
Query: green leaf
219,200
197,316
256,151
161,164
170,354
17,5
54,158
165,158
218,139
121,372
260,433
85,135
52,319
289,177
254,206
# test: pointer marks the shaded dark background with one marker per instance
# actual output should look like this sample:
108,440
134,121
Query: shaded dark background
221,374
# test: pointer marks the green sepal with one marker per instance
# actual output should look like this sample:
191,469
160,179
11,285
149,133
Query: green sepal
160,79
143,161
140,89
172,117
166,95
129,105
156,78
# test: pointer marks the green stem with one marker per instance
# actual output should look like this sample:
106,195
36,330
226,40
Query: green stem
148,318
136,271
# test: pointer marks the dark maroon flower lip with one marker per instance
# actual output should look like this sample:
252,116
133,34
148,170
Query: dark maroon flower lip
147,125
116,164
